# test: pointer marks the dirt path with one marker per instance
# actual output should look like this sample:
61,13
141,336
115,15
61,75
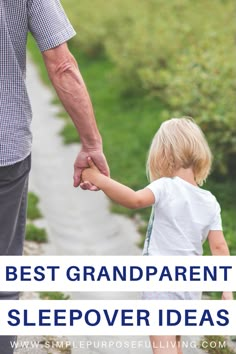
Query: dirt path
78,222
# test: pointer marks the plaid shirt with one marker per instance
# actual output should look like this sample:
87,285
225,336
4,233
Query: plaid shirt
47,21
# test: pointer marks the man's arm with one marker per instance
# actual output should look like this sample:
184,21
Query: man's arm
67,80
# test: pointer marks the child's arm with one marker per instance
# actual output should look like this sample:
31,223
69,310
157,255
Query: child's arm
217,243
118,192
219,247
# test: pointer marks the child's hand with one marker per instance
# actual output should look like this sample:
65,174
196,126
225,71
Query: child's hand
227,295
90,174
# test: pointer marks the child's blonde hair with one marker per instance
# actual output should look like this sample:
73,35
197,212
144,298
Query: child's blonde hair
179,142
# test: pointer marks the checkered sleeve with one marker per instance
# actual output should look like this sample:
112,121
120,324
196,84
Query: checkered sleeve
48,23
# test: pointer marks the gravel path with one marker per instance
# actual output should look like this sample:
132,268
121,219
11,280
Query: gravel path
78,222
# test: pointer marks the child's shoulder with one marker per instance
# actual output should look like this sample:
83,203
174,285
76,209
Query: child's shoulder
179,185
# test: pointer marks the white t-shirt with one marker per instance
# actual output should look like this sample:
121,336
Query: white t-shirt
182,216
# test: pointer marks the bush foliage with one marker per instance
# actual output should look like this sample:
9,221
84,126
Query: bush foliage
33,211
181,51
36,234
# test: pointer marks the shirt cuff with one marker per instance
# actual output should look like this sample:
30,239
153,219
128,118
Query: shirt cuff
57,39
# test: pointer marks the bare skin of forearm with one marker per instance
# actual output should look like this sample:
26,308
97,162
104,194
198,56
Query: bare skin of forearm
66,78
118,192
221,250
219,247
218,243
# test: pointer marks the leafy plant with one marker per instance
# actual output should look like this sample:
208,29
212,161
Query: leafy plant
53,295
33,211
36,234
179,51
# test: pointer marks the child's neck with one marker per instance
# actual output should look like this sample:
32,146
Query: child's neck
186,174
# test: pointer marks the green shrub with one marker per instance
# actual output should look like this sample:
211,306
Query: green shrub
33,233
33,211
86,18
180,51
53,295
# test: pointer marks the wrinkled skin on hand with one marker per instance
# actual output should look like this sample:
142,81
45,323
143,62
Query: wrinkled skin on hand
81,163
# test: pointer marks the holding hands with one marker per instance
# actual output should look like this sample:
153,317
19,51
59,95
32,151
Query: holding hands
82,162
90,175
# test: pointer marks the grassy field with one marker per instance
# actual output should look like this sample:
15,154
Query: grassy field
127,124
180,51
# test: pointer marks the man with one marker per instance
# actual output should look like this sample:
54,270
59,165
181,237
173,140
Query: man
47,21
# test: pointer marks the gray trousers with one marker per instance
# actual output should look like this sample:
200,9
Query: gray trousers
13,205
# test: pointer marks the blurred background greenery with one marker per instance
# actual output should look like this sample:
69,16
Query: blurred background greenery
147,61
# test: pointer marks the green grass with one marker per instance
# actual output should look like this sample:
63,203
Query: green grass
225,192
36,234
127,124
69,133
216,295
53,295
33,211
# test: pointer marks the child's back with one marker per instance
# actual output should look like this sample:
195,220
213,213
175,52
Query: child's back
182,217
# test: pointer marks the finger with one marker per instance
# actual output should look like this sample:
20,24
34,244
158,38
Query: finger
82,186
76,182
89,187
94,189
85,185
77,176
103,168
90,162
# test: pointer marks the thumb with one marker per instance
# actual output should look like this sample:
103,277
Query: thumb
90,162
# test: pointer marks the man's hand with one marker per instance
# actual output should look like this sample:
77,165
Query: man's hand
81,163
90,175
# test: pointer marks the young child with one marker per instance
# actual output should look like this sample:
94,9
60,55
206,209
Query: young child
183,214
